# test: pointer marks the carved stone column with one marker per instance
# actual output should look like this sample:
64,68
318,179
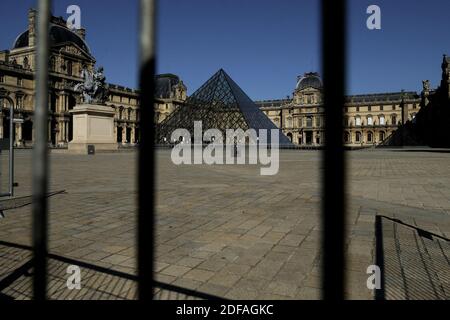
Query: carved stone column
124,134
66,131
60,132
132,135
18,140
1,125
49,138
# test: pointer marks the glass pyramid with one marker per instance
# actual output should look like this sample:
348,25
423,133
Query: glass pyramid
220,104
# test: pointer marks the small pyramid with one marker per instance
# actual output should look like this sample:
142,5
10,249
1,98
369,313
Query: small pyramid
220,104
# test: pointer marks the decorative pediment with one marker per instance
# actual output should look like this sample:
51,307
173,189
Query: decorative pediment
72,49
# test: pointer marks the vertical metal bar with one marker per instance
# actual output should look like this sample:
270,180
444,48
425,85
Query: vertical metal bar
146,173
333,203
40,153
11,150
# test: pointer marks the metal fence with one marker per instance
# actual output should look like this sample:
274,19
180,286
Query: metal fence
333,50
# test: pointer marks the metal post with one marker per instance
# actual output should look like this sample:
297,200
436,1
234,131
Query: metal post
11,150
333,203
146,151
40,153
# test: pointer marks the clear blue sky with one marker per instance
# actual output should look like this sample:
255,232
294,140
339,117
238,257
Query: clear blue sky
262,44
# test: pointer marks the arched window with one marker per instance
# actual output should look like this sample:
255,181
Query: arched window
346,137
382,121
394,119
381,136
289,135
358,120
369,120
369,136
358,136
346,121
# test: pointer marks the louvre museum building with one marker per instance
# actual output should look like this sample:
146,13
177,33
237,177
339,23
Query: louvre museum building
369,120
69,55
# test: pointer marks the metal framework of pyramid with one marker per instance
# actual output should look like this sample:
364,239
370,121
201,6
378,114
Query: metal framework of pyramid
220,104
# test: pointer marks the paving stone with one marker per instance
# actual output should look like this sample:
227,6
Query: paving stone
199,275
175,270
229,220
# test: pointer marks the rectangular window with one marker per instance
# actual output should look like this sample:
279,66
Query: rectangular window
2,78
358,121
382,121
369,121
19,82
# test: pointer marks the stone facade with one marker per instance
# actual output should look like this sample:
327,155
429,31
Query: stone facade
69,53
369,119
170,92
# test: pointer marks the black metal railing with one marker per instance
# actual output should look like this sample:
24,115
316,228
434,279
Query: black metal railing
333,208
333,181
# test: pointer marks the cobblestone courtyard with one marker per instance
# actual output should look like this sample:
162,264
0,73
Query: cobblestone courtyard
228,231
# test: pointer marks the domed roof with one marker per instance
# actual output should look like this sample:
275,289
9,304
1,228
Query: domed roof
164,84
58,34
309,80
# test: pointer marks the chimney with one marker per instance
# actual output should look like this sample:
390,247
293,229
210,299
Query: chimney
81,32
31,27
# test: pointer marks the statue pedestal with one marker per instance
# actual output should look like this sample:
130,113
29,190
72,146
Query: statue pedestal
92,125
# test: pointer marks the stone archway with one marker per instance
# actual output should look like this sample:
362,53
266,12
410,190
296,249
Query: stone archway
5,125
289,135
